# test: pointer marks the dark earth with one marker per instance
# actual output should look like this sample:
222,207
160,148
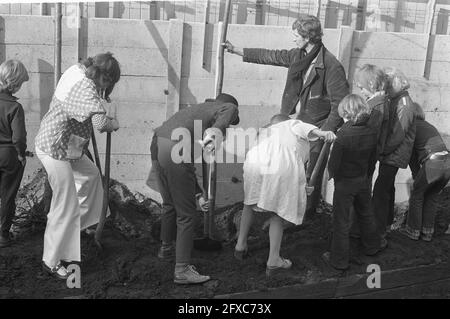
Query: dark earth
128,267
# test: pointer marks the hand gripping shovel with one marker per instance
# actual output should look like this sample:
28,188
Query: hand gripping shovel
207,243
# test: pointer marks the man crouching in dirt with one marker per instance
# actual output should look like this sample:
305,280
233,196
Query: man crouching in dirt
175,174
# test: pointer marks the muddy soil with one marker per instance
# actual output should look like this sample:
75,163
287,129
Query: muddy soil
129,268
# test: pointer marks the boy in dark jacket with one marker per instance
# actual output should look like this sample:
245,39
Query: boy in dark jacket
353,153
176,178
13,143
433,157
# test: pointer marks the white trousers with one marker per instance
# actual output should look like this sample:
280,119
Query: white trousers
76,204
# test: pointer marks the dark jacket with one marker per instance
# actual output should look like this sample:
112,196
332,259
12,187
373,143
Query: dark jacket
354,150
325,87
213,114
403,129
12,124
428,141
379,119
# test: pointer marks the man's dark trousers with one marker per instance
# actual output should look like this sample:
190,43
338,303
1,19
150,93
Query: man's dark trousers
177,185
11,172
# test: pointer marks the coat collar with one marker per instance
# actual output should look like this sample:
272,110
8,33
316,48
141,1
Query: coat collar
7,97
320,57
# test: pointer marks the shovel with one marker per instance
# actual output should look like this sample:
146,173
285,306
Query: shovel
207,243
315,172
101,223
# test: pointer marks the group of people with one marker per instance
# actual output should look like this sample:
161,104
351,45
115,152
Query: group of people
382,125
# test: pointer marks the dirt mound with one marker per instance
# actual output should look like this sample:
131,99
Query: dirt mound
128,266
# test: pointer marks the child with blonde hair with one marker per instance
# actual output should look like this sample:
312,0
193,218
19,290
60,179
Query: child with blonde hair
353,153
13,143
398,147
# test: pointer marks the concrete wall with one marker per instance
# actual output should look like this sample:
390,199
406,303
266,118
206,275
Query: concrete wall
167,65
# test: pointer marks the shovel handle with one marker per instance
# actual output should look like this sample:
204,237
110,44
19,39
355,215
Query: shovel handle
95,148
101,223
320,159
212,184
205,183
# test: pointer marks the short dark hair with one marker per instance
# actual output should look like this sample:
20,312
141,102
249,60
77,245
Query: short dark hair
308,26
227,98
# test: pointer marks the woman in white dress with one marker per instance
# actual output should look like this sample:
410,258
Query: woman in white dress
275,181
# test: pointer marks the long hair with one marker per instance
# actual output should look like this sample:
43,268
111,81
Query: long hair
105,67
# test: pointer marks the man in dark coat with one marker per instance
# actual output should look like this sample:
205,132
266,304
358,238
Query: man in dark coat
177,182
315,84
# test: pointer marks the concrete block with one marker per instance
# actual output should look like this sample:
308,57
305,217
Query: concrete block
440,120
174,66
136,61
247,92
140,89
126,33
38,58
440,71
147,115
393,46
127,141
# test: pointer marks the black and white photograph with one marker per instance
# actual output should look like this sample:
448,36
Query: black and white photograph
225,154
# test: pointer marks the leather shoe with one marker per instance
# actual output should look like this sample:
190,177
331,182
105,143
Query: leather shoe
59,271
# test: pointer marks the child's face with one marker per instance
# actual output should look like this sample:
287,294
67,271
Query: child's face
365,92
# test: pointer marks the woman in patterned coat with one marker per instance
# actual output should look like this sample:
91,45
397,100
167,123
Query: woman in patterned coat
61,142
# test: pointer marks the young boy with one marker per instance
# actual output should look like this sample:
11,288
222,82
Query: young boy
13,143
434,159
352,155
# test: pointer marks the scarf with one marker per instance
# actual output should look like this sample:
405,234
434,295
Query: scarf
298,68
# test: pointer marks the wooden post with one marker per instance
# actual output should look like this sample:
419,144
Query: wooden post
399,15
431,10
58,42
361,15
205,33
43,9
81,53
259,19
174,66
222,36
